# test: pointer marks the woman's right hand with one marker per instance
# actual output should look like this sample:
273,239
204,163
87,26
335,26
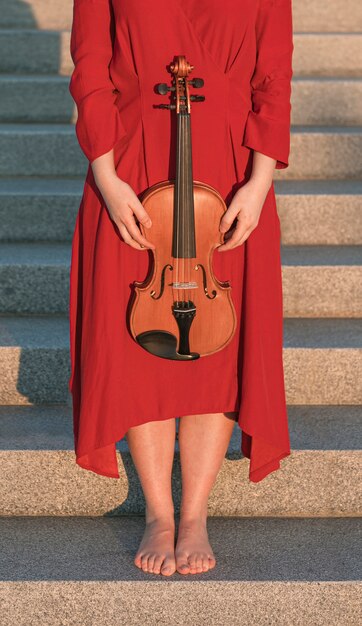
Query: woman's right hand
124,206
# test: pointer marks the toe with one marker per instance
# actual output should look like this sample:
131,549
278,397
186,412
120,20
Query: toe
205,564
137,560
192,561
157,564
144,562
151,563
168,567
212,561
183,566
198,563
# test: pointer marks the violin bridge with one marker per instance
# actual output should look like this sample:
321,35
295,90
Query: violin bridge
179,285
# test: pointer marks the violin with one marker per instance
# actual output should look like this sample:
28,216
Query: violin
182,311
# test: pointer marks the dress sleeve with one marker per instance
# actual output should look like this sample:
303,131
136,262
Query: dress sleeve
267,127
99,126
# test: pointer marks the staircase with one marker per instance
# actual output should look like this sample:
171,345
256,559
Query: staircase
287,547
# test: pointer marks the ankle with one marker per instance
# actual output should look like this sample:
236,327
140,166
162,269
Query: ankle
165,516
193,517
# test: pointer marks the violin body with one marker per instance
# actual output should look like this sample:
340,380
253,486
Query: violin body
214,324
182,311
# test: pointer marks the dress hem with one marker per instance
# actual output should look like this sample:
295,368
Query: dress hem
255,475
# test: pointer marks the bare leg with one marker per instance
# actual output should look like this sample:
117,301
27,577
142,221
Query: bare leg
152,446
203,441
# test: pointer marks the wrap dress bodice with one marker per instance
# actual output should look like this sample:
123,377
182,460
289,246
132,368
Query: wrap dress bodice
121,49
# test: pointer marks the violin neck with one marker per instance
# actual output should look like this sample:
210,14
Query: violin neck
184,242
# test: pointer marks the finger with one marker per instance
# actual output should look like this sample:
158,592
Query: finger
141,214
136,233
238,242
238,237
127,237
236,234
227,219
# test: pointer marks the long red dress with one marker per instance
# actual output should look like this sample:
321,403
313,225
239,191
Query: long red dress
243,51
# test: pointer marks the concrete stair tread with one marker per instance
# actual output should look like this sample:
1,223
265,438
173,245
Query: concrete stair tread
316,187
66,185
83,548
321,255
322,333
45,98
52,150
51,53
49,427
34,127
58,253
308,15
325,130
80,570
29,77
44,186
42,331
54,78
34,332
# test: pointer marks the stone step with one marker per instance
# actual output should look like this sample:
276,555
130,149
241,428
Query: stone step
322,281
318,281
327,54
320,212
317,152
322,360
325,442
46,99
318,16
268,571
52,204
28,50
326,101
35,98
311,212
308,15
37,14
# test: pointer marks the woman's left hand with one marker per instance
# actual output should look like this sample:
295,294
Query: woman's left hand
246,207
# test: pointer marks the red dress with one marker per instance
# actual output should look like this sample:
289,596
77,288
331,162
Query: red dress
243,51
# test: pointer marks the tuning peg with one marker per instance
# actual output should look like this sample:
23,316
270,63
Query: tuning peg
165,106
197,98
162,89
197,82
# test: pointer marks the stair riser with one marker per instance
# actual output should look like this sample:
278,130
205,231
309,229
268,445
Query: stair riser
308,15
326,102
55,152
320,219
307,291
163,602
46,100
305,219
312,375
323,155
48,52
302,487
52,217
322,54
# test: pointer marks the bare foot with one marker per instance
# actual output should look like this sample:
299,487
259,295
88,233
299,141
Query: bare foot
156,553
193,551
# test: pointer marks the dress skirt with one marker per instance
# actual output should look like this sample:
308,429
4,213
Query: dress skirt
243,51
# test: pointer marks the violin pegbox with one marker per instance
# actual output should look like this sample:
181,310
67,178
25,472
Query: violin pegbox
180,69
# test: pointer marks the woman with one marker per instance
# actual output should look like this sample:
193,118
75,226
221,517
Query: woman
241,132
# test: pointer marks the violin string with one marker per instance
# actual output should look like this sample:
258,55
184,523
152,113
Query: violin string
184,178
176,191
